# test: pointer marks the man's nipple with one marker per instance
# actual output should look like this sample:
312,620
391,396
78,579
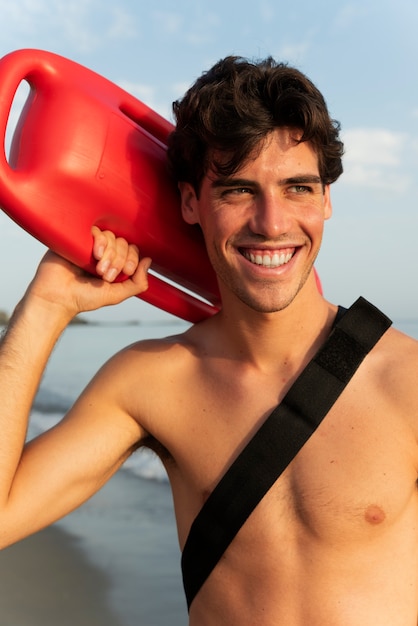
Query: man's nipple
374,514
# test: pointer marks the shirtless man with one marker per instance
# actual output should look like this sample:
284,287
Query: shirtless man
334,542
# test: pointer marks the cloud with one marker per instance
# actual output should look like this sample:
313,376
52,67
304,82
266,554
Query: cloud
374,157
349,14
86,24
294,52
122,24
267,11
146,94
143,92
169,21
374,145
197,27
15,111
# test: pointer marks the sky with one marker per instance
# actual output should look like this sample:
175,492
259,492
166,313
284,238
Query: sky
362,54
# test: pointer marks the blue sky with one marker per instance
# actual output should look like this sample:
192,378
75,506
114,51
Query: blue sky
363,56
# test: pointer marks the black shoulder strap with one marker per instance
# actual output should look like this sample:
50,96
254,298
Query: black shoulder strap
278,441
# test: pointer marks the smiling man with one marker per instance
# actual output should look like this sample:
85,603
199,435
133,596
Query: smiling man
288,425
275,245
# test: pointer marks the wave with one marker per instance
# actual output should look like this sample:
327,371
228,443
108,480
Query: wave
144,463
48,401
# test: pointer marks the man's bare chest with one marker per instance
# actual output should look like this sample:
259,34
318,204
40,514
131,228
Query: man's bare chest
355,474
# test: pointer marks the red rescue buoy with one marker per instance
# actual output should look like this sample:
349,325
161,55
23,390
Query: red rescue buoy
84,153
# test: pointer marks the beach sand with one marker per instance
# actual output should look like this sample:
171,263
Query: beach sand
113,562
46,581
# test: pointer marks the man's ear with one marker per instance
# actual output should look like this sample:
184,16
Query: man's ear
327,202
189,203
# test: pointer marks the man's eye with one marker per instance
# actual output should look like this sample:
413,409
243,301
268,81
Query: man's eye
237,191
300,189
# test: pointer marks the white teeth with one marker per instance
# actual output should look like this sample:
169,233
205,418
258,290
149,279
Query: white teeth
266,260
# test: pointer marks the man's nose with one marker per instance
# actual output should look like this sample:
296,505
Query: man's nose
271,215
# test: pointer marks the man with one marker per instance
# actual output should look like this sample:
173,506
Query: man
334,541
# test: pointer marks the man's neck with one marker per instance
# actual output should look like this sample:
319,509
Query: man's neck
266,340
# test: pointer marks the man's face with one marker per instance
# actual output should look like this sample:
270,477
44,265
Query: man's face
263,226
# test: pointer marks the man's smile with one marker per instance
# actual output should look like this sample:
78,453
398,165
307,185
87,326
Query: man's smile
268,258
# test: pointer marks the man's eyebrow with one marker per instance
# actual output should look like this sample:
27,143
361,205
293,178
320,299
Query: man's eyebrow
301,179
232,182
312,179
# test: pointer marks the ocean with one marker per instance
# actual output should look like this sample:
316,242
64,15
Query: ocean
127,530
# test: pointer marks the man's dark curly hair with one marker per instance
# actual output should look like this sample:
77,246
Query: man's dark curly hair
237,103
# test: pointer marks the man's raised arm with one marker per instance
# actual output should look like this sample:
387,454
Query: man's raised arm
57,294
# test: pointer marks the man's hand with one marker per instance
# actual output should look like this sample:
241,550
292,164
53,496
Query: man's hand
114,255
61,284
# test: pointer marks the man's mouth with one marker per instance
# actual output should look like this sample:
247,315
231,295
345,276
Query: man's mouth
268,258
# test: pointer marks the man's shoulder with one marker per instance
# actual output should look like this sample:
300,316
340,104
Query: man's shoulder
400,344
394,363
154,357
